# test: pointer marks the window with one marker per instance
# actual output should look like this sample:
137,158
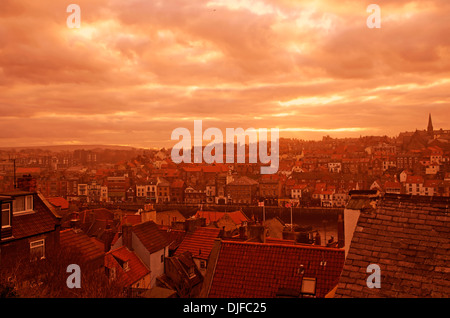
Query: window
37,250
202,264
191,272
23,204
6,215
162,258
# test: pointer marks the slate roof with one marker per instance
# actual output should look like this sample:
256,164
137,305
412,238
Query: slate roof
87,246
362,200
150,236
261,270
174,237
199,242
409,238
43,219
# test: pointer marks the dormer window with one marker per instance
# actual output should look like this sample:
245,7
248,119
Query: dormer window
23,204
191,272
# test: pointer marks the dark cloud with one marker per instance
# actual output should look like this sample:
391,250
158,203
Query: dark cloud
137,70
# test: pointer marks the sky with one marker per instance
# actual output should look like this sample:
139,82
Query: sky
136,70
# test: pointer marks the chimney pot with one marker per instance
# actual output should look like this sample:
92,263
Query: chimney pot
127,236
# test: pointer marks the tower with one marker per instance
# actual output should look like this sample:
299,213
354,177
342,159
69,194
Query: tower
430,129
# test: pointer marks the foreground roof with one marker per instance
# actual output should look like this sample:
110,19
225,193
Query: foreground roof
43,219
409,238
261,270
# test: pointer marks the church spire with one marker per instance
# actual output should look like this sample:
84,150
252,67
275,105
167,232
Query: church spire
430,126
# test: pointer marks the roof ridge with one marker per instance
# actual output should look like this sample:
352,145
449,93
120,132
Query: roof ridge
312,247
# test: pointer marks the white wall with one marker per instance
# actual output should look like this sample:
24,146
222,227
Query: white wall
350,220
156,266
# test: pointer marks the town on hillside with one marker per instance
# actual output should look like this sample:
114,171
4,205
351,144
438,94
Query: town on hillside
139,225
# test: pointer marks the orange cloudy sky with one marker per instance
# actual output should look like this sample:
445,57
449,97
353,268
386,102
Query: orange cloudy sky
138,69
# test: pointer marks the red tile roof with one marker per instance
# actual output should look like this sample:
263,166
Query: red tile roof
177,184
392,185
257,270
76,239
212,216
199,242
414,179
99,214
24,170
136,269
59,202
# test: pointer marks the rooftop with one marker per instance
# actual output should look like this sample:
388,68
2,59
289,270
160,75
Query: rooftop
238,217
243,181
136,269
87,246
409,238
150,236
199,242
43,218
262,270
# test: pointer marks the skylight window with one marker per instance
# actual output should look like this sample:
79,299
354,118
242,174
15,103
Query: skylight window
308,286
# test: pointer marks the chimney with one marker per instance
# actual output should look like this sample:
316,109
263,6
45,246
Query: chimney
257,233
222,232
75,223
242,234
127,235
108,237
360,201
192,224
340,230
148,216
